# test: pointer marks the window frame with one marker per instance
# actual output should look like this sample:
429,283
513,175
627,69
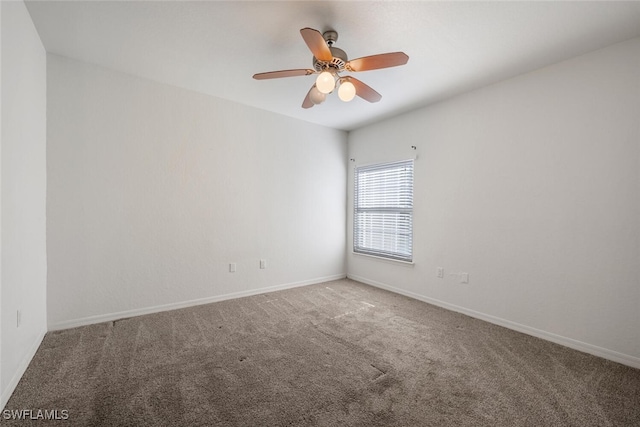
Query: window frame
383,215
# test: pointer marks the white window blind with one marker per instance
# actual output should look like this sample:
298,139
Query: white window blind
383,210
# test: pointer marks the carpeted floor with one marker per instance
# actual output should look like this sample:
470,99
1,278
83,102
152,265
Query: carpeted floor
334,354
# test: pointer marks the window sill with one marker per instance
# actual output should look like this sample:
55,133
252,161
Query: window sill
394,261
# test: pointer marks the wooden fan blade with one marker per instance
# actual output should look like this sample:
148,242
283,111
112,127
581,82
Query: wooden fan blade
374,62
316,44
282,73
307,99
365,92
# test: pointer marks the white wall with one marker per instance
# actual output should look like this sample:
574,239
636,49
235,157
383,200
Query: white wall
154,190
532,186
23,181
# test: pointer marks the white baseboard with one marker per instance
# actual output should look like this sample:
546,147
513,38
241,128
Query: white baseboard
90,320
615,356
6,394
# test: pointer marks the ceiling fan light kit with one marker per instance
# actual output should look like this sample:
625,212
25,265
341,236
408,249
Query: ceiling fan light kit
326,82
316,96
347,90
328,62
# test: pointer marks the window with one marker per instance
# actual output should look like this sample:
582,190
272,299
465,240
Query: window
383,210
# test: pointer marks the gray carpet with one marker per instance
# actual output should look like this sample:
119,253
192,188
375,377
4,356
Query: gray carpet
334,354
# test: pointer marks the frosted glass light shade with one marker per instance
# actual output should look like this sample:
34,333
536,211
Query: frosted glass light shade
316,96
347,91
325,82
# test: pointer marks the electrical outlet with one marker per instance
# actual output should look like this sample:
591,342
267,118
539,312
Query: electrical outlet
263,264
18,318
464,277
440,272
232,267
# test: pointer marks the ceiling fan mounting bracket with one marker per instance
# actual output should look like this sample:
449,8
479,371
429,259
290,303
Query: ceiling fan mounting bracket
330,37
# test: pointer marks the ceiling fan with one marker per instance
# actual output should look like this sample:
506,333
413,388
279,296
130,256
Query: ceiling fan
328,62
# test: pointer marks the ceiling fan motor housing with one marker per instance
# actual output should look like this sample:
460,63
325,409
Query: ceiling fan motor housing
337,63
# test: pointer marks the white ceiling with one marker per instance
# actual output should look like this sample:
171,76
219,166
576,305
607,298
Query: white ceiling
215,47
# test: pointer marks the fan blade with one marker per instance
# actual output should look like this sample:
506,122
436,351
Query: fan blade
374,62
316,44
365,92
307,99
282,73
